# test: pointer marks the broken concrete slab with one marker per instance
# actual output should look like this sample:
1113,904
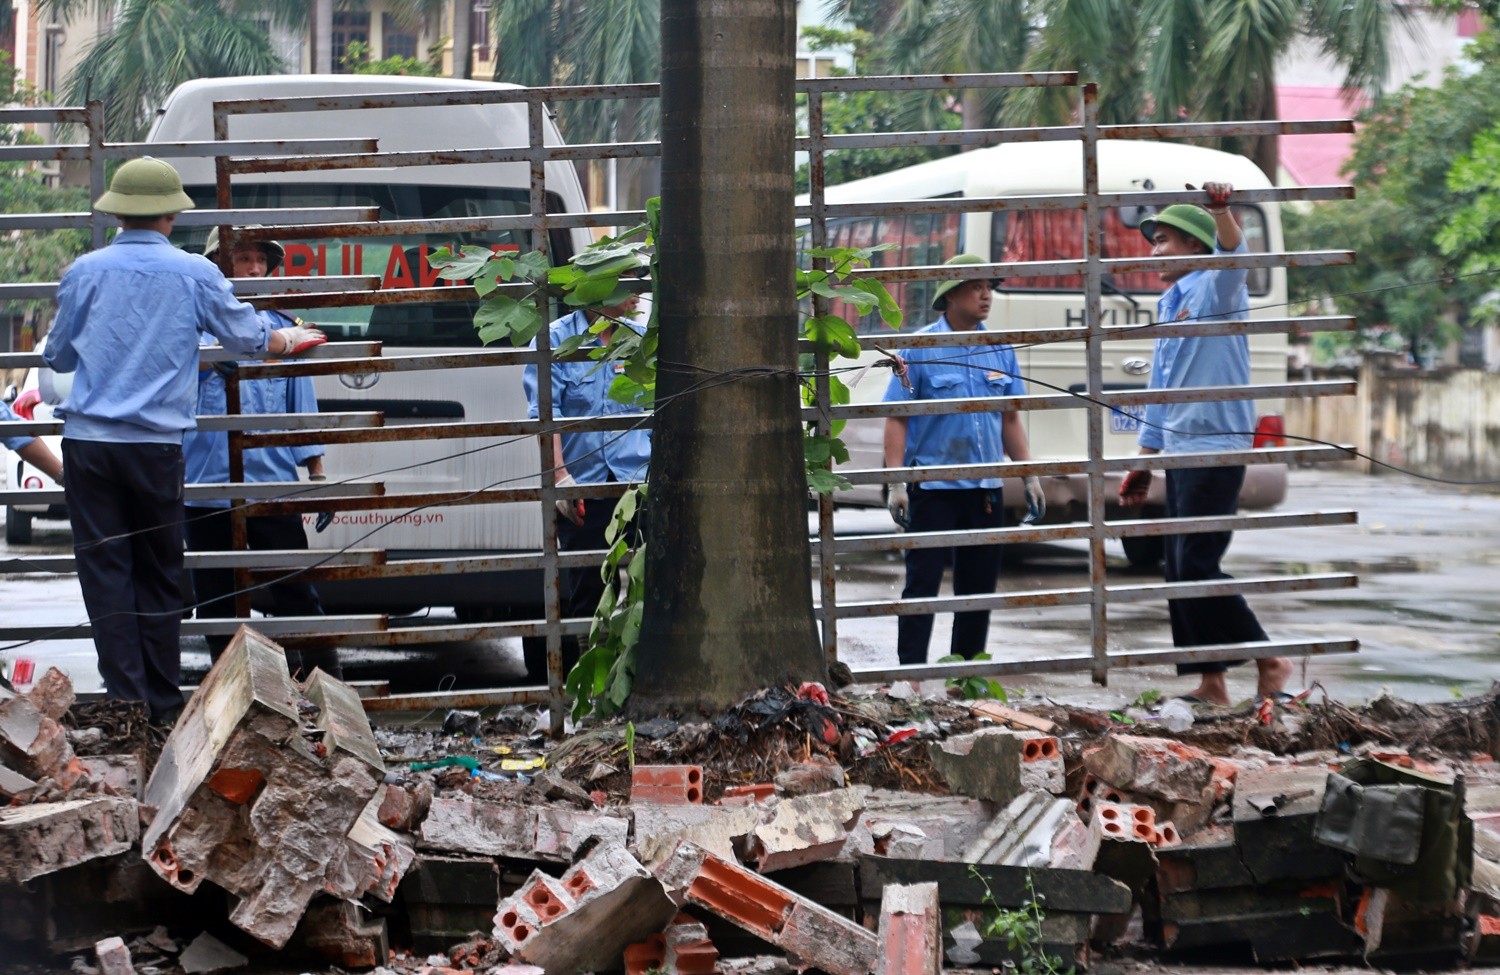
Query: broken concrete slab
375,860
1001,887
794,832
1023,833
1208,860
13,784
462,824
116,775
208,954
1281,846
49,836
250,798
562,832
948,823
910,931
717,829
983,764
810,933
584,920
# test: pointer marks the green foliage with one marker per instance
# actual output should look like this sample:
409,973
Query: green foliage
1146,698
974,688
356,60
34,255
1021,929
1406,289
602,679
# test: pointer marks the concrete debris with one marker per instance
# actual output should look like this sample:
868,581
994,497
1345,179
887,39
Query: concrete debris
720,830
340,933
375,860
35,745
243,771
114,957
115,775
1024,833
982,764
206,953
1156,767
404,805
14,785
46,837
583,920
52,694
799,831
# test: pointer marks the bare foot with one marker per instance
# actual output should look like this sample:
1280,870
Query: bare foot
1274,673
1212,689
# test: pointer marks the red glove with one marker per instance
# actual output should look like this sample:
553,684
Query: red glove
26,403
1133,488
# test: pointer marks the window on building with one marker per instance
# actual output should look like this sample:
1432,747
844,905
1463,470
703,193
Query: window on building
348,26
394,41
479,30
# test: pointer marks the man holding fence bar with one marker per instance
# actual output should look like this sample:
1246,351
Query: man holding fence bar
127,325
206,454
1184,230
948,439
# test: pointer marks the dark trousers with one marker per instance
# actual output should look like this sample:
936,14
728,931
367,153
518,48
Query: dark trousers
582,587
1205,491
125,506
975,568
207,530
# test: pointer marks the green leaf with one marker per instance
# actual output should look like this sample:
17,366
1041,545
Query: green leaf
460,267
501,317
833,335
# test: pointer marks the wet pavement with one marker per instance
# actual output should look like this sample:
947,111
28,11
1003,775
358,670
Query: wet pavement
1427,610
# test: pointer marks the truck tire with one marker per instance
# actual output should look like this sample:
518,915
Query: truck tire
17,527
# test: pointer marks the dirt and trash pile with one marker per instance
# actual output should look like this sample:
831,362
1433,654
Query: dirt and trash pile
897,831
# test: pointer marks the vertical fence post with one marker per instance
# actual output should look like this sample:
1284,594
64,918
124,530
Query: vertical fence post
1093,245
823,398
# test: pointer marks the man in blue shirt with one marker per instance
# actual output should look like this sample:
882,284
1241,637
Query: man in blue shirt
945,439
128,318
206,455
1203,360
588,457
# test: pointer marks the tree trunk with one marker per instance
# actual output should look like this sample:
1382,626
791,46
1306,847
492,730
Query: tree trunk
729,598
322,53
463,43
1265,150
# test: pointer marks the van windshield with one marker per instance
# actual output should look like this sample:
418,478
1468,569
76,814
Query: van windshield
397,262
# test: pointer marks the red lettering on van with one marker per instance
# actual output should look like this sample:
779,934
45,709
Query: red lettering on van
398,273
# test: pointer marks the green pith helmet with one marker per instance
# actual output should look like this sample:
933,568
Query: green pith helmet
144,187
1192,220
940,296
273,250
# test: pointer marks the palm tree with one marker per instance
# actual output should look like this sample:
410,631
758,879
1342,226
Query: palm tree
570,42
156,45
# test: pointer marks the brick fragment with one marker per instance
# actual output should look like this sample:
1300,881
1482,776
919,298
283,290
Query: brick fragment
816,936
985,764
114,957
33,743
911,931
585,919
115,775
1157,767
795,832
817,774
667,784
758,792
403,807
52,694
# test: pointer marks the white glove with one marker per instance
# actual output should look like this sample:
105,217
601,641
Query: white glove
570,508
899,505
299,338
1036,501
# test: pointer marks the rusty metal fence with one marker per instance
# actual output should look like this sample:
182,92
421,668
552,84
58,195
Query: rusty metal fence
258,157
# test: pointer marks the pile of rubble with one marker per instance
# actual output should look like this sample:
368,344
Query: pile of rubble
277,823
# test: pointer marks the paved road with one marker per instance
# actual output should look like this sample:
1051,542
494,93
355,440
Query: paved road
1427,611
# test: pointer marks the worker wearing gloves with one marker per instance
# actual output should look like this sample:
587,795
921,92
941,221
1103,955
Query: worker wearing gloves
206,455
1184,230
588,457
946,439
127,326
30,448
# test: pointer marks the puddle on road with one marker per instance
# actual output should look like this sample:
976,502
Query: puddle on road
1376,566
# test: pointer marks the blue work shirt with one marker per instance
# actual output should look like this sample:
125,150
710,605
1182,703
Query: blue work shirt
128,318
1202,360
963,372
582,389
8,415
205,453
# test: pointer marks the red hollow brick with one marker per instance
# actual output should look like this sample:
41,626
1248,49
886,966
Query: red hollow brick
679,784
755,904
